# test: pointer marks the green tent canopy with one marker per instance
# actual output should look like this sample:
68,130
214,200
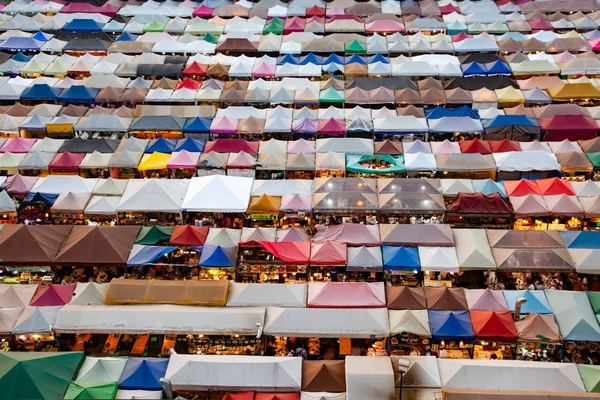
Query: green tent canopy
355,47
595,301
154,26
91,391
395,164
154,234
274,26
210,38
590,375
37,375
331,96
594,159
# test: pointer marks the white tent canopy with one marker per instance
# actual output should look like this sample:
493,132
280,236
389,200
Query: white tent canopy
473,249
89,293
327,322
9,318
57,184
523,375
159,319
415,322
369,378
523,161
438,259
36,320
422,373
260,295
218,193
322,396
153,195
239,373
12,296
138,394
345,145
105,369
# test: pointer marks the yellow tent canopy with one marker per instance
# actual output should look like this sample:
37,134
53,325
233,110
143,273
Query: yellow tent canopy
509,96
154,161
574,91
264,204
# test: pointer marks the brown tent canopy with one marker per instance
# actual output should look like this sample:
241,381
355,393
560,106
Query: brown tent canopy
388,147
574,162
196,293
524,239
324,376
237,46
18,110
411,110
430,83
109,94
165,83
405,298
134,95
443,298
538,328
590,146
31,244
97,245
416,235
458,96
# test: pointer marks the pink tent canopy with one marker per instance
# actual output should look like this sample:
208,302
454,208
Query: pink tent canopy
19,184
445,147
332,126
301,146
183,159
383,26
224,125
529,206
53,295
290,252
328,253
241,160
486,300
66,161
203,11
353,234
107,9
231,146
17,145
561,204
293,24
334,11
296,203
292,235
264,69
346,295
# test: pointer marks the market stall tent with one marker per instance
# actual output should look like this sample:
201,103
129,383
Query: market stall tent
346,295
26,244
485,299
39,375
16,296
123,394
143,373
405,298
524,375
91,390
322,396
422,372
415,322
101,369
574,315
36,320
8,319
450,325
536,301
538,328
493,325
235,373
218,194
258,295
324,376
590,376
52,295
351,234
443,298
153,195
369,377
324,322
473,249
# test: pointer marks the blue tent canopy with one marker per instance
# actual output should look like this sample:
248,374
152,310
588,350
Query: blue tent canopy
33,198
21,44
41,91
79,94
334,59
473,68
497,68
20,57
378,58
310,58
581,239
143,373
190,144
332,68
218,256
126,37
488,186
355,58
401,258
42,36
450,325
441,112
510,120
197,125
161,145
142,254
83,25
288,59
536,301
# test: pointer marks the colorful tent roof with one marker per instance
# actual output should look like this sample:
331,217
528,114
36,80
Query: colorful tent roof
450,325
346,295
493,325
143,373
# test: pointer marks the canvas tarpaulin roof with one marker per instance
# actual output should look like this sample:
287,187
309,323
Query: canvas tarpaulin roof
324,376
473,249
369,377
416,235
538,328
237,373
143,373
324,322
209,194
159,319
574,315
257,295
352,234
405,298
346,295
536,301
415,322
154,195
493,325
27,244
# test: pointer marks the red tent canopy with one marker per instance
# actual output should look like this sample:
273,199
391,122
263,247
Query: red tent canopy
521,187
239,396
494,325
53,295
188,235
552,186
328,253
479,203
332,126
570,127
66,161
195,69
290,252
189,83
315,11
541,25
231,146
277,396
504,146
475,146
